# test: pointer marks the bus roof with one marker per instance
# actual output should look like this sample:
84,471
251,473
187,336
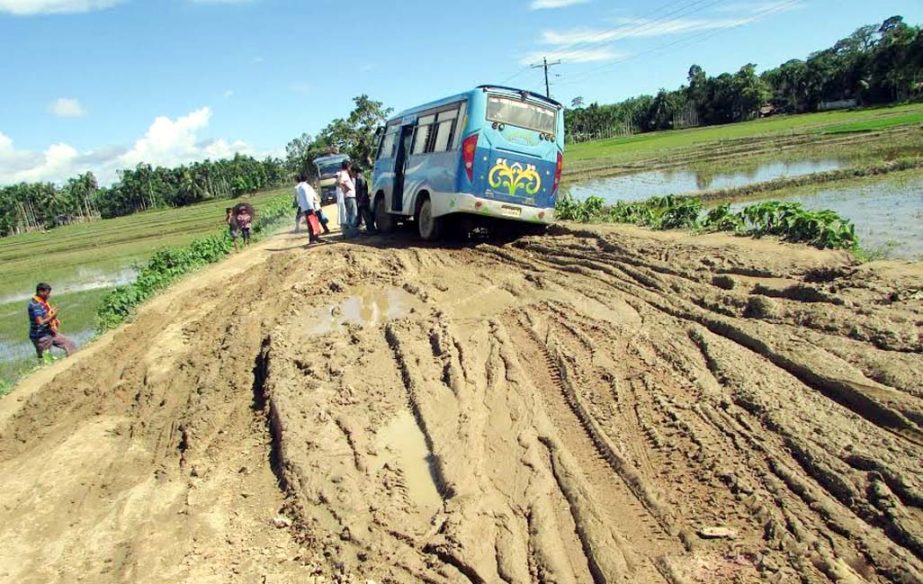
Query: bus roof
330,158
461,96
521,92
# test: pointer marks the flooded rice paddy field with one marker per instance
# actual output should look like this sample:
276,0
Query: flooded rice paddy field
688,181
887,210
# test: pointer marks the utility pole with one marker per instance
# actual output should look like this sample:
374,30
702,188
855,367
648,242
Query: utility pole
544,65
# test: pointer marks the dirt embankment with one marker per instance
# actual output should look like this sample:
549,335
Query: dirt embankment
607,405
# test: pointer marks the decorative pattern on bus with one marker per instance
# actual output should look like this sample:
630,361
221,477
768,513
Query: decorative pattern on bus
514,177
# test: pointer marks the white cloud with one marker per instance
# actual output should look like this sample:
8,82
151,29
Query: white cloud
573,56
67,107
637,28
547,4
30,7
228,93
301,88
167,142
646,28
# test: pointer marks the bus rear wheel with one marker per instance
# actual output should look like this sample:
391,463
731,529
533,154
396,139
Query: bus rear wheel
430,227
383,220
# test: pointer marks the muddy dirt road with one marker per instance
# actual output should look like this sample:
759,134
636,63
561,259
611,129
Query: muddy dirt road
607,405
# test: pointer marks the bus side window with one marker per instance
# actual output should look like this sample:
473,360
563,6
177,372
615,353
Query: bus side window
445,125
387,143
459,133
421,134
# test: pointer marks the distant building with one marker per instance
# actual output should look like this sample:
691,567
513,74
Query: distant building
826,106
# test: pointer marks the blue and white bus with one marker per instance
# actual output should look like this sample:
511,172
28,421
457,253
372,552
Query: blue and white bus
485,157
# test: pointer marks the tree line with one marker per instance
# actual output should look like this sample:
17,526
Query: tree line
44,205
876,64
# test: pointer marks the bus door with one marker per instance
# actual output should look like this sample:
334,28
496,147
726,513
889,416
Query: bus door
400,163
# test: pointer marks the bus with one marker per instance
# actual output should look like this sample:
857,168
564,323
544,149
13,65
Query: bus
487,157
326,169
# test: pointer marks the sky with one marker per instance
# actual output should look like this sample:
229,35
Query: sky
105,84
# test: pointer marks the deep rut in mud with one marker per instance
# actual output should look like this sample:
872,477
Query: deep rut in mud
593,406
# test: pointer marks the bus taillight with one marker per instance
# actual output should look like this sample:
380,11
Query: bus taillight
557,173
469,146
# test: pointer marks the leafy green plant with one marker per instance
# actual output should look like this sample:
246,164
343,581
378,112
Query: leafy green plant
790,221
721,218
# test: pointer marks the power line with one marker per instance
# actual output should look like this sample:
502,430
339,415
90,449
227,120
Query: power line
545,65
647,22
681,42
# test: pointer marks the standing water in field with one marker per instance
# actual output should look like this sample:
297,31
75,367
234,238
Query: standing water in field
644,185
887,212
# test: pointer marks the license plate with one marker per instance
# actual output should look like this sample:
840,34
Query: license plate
510,211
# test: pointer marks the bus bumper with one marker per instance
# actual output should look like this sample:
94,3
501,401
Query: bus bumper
467,203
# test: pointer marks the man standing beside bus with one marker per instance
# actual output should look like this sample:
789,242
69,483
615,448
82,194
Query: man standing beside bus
348,188
363,201
306,196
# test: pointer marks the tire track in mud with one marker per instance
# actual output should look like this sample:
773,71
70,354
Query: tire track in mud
643,291
568,409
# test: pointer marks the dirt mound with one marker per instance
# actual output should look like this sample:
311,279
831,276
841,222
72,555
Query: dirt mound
606,405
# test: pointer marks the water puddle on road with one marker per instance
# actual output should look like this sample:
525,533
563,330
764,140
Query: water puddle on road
402,444
368,307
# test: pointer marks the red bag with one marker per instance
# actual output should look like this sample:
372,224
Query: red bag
314,224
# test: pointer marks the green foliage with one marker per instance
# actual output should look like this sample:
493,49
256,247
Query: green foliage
789,221
877,64
29,207
721,218
588,211
353,136
169,264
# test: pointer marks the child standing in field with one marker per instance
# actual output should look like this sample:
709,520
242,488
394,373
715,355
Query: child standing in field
243,214
231,219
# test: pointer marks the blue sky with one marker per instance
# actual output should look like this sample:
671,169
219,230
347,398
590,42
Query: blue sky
102,84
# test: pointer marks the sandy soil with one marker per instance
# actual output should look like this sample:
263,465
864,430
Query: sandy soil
598,405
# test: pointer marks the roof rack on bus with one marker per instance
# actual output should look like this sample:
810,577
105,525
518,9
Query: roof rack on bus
522,92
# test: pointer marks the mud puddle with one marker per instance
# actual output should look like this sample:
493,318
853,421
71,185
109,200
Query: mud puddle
401,443
369,307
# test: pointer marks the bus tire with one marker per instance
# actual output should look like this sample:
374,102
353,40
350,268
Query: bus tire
384,222
430,227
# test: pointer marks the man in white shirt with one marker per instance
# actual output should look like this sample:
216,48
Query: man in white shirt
306,197
348,187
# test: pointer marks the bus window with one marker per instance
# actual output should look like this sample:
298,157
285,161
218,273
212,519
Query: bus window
421,135
388,143
505,110
445,125
460,126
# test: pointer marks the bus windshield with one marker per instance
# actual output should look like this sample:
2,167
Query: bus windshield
327,168
522,114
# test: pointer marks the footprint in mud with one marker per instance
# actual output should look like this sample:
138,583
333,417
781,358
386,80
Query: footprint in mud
401,443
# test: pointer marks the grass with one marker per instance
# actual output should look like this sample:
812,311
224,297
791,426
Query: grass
77,254
875,124
629,148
